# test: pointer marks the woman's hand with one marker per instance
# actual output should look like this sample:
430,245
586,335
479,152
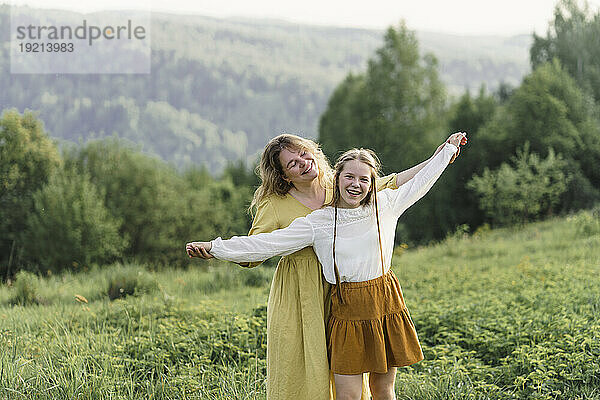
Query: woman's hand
458,139
199,249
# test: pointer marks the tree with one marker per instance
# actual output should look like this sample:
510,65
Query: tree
240,175
527,190
572,38
27,158
545,110
468,114
143,192
548,110
159,207
396,109
393,109
70,227
339,126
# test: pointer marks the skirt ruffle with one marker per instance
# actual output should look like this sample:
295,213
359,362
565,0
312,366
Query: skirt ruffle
371,331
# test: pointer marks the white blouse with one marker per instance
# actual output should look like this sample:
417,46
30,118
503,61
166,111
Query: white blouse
356,246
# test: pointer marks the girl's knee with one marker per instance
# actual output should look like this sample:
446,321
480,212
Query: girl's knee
382,392
347,393
382,385
348,396
348,387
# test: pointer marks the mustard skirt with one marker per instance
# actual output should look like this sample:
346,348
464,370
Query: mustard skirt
370,329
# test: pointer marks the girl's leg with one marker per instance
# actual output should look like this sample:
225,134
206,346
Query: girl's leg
382,385
348,387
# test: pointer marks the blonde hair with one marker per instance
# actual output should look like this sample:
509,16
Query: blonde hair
366,156
271,172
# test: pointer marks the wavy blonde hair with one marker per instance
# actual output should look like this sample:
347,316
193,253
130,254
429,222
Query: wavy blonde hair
271,172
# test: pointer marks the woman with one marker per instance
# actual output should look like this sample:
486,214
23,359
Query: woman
297,179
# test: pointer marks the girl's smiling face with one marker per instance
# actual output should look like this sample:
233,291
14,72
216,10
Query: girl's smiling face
354,184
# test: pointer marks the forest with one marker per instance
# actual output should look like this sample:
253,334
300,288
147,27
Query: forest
533,151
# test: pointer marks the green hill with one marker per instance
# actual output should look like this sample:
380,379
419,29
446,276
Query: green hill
501,314
220,88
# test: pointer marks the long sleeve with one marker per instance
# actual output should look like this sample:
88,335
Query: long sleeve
298,235
409,193
265,220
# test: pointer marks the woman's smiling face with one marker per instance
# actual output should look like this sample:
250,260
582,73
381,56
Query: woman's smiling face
298,165
354,184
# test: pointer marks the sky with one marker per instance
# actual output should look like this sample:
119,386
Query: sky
481,17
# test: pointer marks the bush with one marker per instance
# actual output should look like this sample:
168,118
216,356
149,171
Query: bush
160,208
581,194
525,191
26,287
142,192
130,281
587,223
70,225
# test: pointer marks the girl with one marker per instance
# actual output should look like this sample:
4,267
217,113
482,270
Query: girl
369,329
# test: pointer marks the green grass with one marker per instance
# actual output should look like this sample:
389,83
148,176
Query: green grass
502,314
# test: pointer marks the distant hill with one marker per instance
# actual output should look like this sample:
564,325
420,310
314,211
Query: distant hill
220,88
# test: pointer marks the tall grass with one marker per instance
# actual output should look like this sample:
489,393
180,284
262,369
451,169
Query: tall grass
502,314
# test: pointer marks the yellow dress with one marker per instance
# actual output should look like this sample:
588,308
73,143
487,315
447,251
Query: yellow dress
297,309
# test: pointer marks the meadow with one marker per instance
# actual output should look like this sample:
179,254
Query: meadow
511,313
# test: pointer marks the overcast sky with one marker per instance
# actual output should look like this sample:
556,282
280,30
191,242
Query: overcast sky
505,17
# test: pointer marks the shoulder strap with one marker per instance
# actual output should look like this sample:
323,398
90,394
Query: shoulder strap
335,267
379,233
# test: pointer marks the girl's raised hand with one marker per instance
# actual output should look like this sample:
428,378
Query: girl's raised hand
458,139
199,249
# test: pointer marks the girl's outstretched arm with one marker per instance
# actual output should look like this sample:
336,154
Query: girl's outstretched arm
298,235
406,175
409,193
